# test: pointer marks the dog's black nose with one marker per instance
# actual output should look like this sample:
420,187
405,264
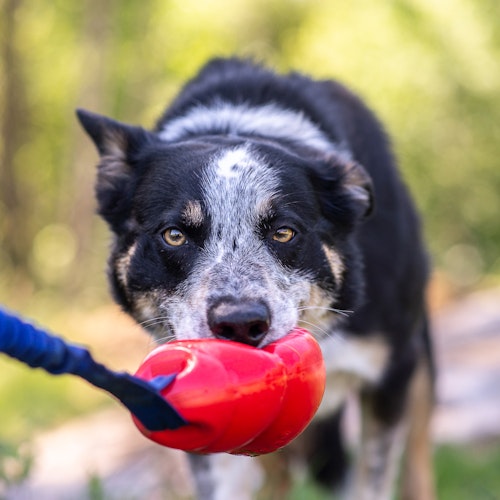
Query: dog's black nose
246,322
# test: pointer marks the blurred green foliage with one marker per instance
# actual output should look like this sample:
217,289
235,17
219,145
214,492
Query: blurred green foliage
429,69
466,473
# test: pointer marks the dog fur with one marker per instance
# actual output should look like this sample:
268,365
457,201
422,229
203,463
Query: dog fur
261,202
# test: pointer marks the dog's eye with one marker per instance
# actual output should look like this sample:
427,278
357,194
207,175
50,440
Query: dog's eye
283,235
174,237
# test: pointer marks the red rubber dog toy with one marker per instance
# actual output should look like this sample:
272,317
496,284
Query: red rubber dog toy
236,398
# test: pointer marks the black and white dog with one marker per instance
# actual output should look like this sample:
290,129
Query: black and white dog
261,202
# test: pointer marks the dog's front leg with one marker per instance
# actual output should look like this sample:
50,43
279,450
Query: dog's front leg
384,429
378,458
395,418
221,476
395,415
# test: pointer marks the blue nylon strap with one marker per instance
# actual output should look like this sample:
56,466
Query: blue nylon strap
40,349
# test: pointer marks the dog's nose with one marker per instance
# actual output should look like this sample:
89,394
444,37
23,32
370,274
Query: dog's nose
245,322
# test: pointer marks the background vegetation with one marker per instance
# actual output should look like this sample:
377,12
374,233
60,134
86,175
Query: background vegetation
429,69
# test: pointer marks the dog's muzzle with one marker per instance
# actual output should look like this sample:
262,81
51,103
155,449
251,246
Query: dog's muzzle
242,321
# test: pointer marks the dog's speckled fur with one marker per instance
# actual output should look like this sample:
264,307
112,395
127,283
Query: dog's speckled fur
255,194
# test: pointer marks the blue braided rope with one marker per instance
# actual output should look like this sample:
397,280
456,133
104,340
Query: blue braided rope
39,349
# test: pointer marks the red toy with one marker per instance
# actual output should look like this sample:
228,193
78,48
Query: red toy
237,398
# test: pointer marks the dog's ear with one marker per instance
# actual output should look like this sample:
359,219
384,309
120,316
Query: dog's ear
359,185
111,138
344,190
116,143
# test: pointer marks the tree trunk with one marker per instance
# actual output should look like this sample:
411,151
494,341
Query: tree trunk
14,236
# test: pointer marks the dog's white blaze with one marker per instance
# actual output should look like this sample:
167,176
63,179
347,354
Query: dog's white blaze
270,121
230,164
236,184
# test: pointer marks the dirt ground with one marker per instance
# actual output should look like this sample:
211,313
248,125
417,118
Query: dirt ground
105,445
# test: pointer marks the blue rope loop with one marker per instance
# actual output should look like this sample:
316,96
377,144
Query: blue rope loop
39,349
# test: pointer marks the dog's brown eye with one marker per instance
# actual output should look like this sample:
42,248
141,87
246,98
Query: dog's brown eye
283,235
174,237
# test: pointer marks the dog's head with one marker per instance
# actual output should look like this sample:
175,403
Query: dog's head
232,238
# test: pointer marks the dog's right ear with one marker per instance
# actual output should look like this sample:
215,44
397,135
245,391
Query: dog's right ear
116,144
111,137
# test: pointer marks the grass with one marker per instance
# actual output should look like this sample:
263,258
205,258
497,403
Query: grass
468,473
31,400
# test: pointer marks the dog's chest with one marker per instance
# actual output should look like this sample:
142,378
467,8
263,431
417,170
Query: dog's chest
350,363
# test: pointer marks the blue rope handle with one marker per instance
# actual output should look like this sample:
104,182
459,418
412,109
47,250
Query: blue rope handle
40,349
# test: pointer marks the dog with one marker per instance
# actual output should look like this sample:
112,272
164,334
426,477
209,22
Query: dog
261,202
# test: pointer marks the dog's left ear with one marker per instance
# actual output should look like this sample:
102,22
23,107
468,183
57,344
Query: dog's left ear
344,190
359,185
